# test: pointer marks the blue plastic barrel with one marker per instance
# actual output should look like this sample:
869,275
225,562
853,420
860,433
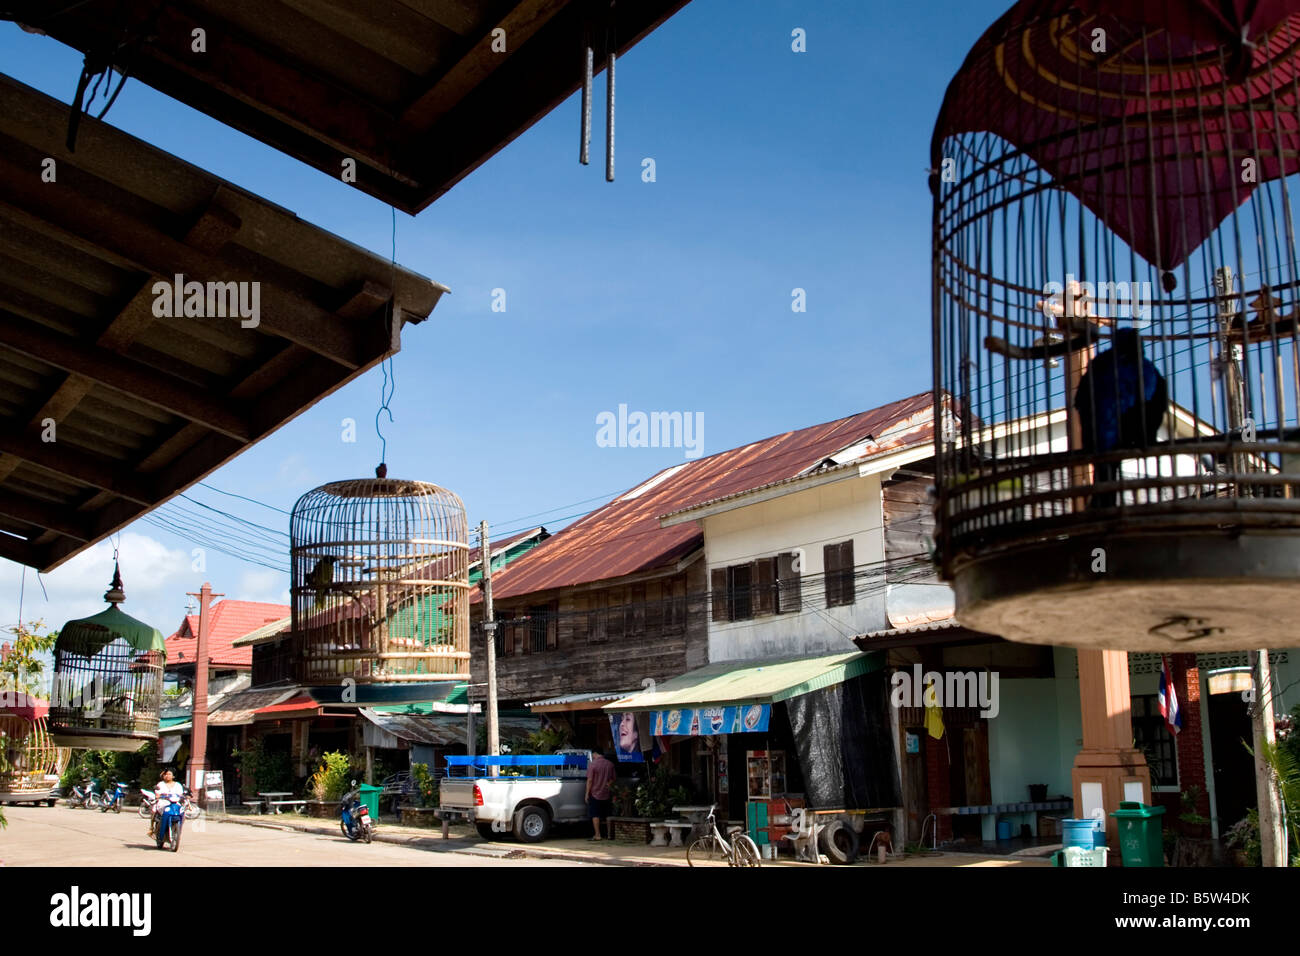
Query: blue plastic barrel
1004,829
1078,833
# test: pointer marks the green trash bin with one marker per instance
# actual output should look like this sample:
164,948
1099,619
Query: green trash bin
369,795
1140,839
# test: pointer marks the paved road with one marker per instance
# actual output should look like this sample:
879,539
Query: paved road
61,836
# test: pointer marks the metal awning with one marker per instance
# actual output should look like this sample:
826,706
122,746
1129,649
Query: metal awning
416,94
264,634
113,402
241,708
592,701
435,730
735,683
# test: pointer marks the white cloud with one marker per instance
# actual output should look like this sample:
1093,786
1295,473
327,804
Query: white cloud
270,586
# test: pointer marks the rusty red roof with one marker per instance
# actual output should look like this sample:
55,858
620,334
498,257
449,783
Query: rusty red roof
230,619
624,536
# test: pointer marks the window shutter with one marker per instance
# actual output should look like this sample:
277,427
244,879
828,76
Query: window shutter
847,581
718,578
765,586
831,575
507,636
553,627
787,596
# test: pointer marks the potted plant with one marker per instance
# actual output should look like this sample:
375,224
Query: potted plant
423,811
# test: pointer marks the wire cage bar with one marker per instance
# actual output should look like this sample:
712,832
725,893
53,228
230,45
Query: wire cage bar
108,679
1115,313
30,762
380,583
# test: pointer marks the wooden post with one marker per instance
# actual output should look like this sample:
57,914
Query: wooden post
489,633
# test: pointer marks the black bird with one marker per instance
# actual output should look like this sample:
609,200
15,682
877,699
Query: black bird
1122,400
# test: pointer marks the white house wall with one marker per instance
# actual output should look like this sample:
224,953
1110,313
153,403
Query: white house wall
804,520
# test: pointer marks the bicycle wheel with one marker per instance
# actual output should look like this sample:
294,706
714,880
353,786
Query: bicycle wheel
745,852
706,851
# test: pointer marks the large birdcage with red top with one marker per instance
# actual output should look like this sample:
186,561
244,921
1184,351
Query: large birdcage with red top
380,583
1116,300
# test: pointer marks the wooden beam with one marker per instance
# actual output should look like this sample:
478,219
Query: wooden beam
89,470
283,313
132,378
42,515
21,552
478,62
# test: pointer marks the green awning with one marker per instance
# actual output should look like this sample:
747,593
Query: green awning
458,694
751,682
89,635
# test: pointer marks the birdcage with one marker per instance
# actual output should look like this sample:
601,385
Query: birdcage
108,679
380,582
1116,295
30,763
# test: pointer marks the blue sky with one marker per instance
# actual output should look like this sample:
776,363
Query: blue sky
775,170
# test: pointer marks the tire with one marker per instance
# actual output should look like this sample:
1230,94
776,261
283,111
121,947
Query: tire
117,807
50,803
485,831
158,836
746,851
706,851
365,832
839,842
144,811
350,834
193,811
532,825
176,835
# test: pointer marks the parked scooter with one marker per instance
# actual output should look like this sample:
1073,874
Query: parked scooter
168,827
114,801
354,816
192,809
146,803
84,796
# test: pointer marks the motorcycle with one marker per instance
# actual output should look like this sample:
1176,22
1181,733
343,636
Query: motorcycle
84,796
192,810
146,803
354,816
115,800
167,828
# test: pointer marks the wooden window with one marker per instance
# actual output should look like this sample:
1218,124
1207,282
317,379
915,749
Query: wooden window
675,614
764,586
1152,738
615,613
654,604
838,560
718,579
740,591
636,611
787,584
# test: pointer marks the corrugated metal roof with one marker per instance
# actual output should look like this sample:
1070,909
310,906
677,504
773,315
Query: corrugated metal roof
299,705
264,634
239,708
598,696
945,625
624,536
750,682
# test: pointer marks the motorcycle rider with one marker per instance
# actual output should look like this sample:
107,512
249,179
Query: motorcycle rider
162,793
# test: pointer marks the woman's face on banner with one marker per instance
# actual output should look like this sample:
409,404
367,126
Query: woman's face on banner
627,737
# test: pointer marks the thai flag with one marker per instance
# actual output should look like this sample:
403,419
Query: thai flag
1169,699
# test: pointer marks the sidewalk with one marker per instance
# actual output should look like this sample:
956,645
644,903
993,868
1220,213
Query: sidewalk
466,840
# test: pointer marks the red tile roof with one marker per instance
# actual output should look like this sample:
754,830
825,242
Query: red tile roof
625,536
230,619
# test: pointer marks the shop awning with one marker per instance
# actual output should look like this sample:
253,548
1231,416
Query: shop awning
592,701
437,730
381,695
737,696
238,709
299,705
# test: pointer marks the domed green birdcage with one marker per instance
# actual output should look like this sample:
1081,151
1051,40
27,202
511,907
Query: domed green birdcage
108,679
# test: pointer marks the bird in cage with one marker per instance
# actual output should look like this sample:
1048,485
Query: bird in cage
320,579
1122,400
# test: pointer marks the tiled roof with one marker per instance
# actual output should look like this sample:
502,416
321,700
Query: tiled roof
230,619
625,536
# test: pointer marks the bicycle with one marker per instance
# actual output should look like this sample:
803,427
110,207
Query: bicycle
714,850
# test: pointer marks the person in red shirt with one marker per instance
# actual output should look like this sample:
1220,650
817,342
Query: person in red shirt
600,778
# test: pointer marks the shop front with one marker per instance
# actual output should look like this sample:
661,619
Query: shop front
759,738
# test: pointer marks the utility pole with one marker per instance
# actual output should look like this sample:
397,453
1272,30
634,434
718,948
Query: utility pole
199,733
1272,837
489,634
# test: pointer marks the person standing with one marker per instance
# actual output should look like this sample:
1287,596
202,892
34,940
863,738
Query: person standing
600,779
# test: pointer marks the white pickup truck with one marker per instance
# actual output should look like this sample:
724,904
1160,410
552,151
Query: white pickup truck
525,797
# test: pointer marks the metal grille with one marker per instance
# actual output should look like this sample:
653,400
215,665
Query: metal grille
380,582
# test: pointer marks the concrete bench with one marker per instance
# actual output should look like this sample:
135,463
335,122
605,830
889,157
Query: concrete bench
278,805
662,831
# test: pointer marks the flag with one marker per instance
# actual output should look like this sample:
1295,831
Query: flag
1169,699
933,712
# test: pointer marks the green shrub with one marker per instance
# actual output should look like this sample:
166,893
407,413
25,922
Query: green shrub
425,785
331,781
